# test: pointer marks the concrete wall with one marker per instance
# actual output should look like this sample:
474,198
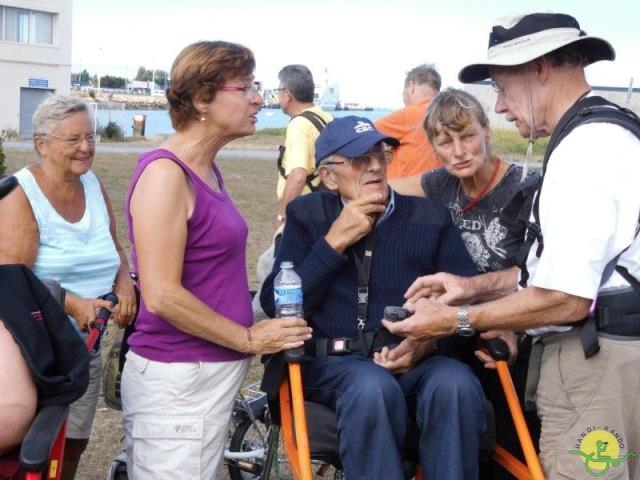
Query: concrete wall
49,66
487,97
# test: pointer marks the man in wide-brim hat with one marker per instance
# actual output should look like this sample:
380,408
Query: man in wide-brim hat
587,209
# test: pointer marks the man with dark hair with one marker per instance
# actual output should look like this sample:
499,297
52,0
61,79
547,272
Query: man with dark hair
415,155
583,250
296,161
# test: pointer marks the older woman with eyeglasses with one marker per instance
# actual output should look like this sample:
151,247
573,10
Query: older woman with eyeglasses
60,223
194,335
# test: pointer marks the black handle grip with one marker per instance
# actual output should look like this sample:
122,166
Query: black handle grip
496,347
7,185
396,314
98,329
103,314
294,355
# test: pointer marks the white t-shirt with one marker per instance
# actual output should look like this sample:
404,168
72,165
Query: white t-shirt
589,208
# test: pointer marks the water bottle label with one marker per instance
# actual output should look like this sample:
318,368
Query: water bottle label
288,295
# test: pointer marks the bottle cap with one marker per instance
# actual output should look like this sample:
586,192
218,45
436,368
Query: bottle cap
286,265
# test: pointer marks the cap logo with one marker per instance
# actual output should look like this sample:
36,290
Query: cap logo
362,127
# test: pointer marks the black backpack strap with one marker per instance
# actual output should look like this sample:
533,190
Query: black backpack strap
314,118
317,122
587,110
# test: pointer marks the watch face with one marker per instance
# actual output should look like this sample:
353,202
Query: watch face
466,332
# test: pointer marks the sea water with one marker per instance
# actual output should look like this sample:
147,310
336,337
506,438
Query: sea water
159,123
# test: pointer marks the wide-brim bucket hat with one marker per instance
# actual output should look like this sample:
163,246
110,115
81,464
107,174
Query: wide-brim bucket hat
520,39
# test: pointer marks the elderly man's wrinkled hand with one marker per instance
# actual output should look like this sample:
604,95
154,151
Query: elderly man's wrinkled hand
355,221
431,320
276,334
444,287
404,356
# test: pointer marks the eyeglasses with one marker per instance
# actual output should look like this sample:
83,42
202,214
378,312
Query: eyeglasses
76,140
497,88
382,155
247,89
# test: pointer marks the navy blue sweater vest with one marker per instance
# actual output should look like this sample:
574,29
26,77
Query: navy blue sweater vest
417,239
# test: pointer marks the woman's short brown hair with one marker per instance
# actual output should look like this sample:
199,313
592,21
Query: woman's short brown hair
453,110
199,71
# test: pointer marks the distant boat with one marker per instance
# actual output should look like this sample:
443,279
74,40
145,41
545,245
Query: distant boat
329,97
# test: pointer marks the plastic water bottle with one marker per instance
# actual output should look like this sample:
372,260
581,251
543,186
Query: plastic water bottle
287,289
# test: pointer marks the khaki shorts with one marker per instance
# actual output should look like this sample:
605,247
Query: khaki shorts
176,416
83,411
581,401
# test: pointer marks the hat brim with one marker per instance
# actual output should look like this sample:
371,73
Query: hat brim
363,143
594,48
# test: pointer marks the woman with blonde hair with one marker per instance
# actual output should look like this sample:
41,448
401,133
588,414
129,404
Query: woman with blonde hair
194,334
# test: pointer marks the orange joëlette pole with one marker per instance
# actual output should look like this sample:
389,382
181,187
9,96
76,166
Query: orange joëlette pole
522,430
300,421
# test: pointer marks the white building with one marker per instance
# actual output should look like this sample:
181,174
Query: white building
487,98
35,57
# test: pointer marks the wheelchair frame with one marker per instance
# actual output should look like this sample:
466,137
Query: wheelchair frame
296,441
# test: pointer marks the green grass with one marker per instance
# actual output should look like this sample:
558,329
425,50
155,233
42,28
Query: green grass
510,144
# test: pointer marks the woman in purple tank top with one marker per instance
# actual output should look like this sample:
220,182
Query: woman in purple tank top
194,333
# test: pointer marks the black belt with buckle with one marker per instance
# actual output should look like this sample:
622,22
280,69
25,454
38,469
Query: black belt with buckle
618,313
366,344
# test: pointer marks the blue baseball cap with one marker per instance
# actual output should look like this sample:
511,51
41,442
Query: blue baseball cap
350,137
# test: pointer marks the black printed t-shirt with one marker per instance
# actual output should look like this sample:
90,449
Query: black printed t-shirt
491,241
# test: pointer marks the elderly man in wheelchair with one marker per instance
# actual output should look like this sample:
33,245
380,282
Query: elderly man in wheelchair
357,252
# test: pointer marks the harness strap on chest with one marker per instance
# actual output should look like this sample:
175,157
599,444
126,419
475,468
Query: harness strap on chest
586,110
317,122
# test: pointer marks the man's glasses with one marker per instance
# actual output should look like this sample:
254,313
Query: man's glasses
247,89
76,140
497,88
382,155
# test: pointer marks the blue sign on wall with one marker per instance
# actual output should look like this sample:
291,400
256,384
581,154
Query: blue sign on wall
38,83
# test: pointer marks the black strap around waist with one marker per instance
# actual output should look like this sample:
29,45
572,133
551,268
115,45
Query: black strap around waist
366,344
619,313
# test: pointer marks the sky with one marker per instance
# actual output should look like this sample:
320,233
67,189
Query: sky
367,47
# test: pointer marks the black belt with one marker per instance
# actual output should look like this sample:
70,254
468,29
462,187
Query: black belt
365,344
618,313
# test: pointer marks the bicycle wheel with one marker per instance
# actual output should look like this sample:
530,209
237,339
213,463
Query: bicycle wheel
248,437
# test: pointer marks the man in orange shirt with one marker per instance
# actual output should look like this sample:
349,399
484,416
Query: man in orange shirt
415,154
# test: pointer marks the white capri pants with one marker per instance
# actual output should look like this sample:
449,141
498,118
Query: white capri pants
176,416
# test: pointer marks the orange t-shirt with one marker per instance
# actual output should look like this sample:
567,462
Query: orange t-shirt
414,155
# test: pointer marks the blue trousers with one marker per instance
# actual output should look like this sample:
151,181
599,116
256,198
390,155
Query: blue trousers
373,408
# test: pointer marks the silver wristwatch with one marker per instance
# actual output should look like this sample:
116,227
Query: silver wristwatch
464,328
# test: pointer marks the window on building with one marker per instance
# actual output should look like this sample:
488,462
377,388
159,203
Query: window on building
26,26
41,28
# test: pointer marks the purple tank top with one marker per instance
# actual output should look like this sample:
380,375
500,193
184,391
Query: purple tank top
214,270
